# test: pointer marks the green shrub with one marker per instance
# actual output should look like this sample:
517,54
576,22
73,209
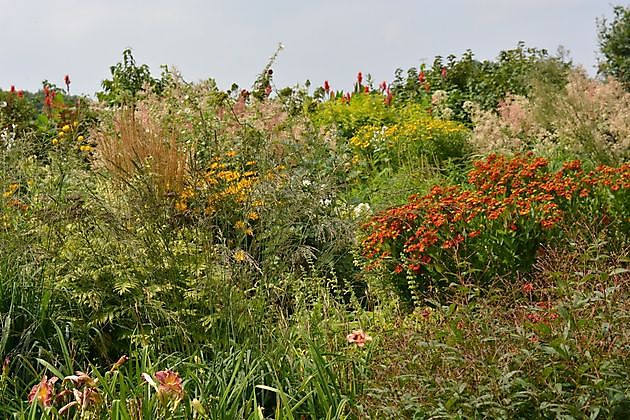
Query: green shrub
486,82
613,43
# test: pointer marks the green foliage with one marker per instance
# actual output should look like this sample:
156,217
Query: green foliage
348,116
547,350
486,82
614,44
16,110
129,81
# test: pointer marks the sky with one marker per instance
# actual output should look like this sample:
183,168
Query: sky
231,41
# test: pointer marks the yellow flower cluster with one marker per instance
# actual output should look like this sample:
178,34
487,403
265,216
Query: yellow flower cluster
422,128
71,131
11,190
226,180
367,136
425,129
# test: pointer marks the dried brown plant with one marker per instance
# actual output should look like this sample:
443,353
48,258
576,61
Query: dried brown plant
137,143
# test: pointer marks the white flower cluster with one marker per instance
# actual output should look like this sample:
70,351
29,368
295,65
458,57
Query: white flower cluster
361,210
7,137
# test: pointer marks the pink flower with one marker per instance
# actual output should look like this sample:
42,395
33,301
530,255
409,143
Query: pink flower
169,384
527,288
443,71
358,337
383,86
43,392
12,89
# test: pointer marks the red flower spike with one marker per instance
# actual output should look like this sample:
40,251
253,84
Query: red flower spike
360,78
389,97
326,86
421,77
444,72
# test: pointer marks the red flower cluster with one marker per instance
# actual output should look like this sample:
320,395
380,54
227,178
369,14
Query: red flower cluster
359,89
505,193
18,93
49,96
542,317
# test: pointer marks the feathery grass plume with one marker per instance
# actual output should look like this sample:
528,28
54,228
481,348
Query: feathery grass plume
139,144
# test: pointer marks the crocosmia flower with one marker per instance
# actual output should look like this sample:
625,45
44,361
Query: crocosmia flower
360,77
326,86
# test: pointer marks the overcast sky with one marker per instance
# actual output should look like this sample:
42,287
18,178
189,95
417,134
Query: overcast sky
231,41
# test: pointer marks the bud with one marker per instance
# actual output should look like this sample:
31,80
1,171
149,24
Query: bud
5,366
123,359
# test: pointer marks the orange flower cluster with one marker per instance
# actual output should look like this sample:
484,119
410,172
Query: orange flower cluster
12,197
506,194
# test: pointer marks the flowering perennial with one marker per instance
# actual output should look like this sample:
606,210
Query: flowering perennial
506,195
